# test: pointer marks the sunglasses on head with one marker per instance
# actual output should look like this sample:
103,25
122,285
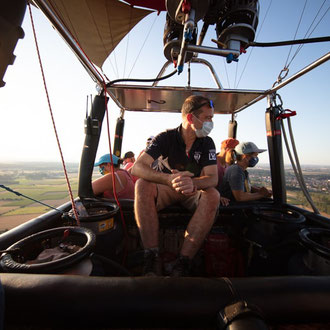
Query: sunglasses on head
209,103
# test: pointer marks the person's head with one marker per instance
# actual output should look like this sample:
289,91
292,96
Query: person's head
197,111
104,163
129,157
247,153
227,147
149,140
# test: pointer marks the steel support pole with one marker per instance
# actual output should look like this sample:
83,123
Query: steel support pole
274,140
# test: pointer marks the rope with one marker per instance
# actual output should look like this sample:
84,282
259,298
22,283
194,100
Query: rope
300,46
114,52
224,64
299,167
145,40
53,121
30,198
298,176
104,84
129,27
300,19
301,42
236,74
108,131
114,181
250,53
296,168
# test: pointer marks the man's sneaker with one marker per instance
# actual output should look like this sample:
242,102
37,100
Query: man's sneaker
182,267
152,263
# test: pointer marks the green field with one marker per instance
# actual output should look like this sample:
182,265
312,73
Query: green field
47,185
46,182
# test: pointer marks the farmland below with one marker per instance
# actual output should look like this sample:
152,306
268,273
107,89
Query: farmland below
45,182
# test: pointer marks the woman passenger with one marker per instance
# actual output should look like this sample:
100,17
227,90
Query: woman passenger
104,185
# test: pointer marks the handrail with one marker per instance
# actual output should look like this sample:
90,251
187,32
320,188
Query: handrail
193,60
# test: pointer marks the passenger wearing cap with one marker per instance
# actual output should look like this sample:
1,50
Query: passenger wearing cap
225,157
236,183
128,159
103,186
148,142
128,162
150,138
189,178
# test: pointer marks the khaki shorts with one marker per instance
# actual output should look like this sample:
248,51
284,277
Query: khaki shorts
167,196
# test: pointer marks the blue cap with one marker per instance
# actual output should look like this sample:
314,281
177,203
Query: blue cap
106,159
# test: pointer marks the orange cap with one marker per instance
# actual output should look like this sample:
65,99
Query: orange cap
229,143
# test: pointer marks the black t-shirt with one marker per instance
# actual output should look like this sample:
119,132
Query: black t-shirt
169,148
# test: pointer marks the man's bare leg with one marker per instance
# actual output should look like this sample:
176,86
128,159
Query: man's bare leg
146,213
201,222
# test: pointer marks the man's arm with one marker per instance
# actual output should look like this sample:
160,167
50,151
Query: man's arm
208,178
179,180
142,169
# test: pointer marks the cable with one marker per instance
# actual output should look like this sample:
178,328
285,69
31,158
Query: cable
301,43
298,164
129,26
114,181
32,199
250,53
114,51
145,40
53,120
224,64
299,177
236,74
141,80
300,46
301,16
289,42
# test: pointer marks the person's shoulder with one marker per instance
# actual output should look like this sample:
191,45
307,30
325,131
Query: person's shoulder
172,131
163,134
233,168
123,173
207,140
128,166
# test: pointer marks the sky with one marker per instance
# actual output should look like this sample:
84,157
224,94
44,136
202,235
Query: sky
27,134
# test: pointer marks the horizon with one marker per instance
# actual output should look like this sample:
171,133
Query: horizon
59,163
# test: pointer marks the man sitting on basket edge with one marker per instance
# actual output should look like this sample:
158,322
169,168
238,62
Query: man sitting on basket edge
189,176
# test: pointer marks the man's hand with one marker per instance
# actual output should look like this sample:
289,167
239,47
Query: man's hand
182,182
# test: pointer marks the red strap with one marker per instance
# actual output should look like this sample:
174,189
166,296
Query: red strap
286,113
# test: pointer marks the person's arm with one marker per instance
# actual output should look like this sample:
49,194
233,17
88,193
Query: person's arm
102,184
243,196
208,178
262,190
179,181
142,169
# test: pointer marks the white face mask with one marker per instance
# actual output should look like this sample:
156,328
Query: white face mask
205,130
